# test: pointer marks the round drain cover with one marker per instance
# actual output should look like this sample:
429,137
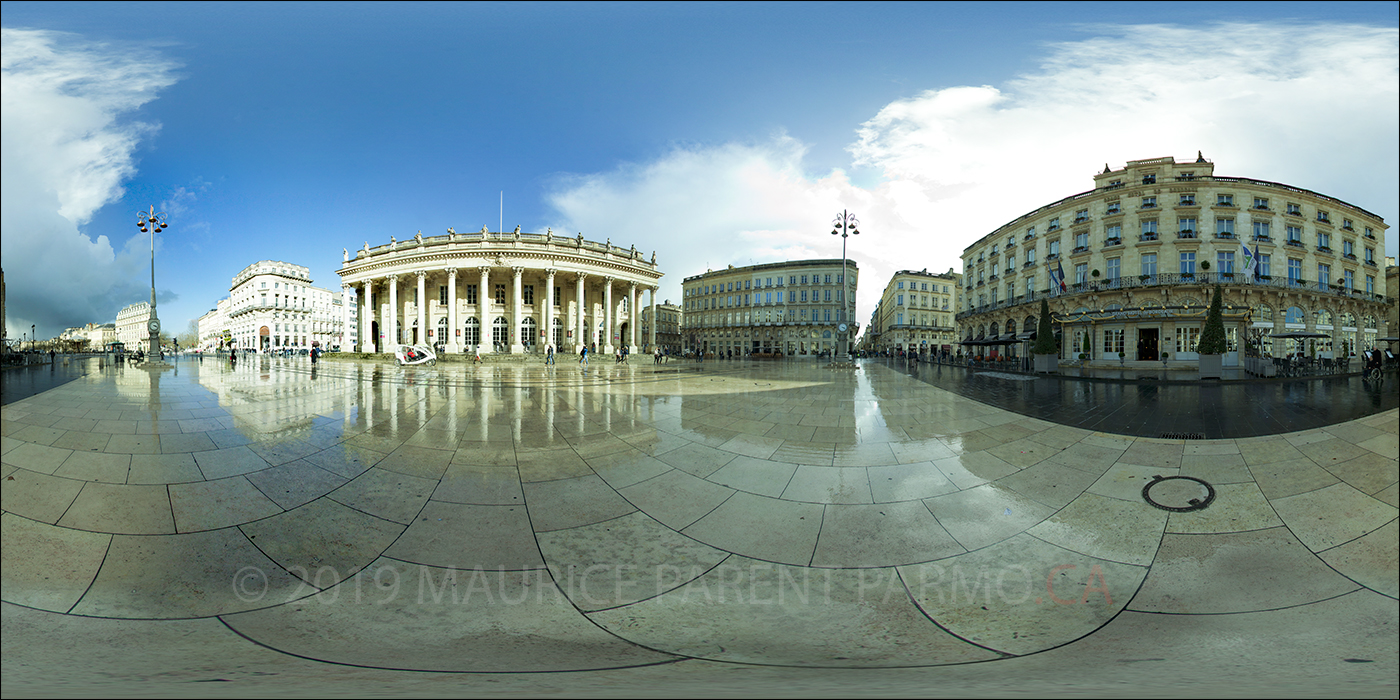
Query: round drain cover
1178,493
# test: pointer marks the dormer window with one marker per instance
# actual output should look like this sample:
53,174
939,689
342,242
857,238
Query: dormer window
1149,179
1054,224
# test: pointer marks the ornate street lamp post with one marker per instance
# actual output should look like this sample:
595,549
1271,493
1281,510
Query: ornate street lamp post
845,225
153,221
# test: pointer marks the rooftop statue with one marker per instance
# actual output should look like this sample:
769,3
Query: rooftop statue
419,237
344,255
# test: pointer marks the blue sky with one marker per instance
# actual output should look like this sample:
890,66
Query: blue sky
711,133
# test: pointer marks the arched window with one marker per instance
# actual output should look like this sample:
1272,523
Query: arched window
1324,318
442,332
1293,315
1011,326
472,334
500,332
558,333
1348,320
993,330
528,331
1370,323
1263,312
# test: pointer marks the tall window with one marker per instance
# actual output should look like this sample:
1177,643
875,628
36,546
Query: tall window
1348,279
1324,275
1030,256
1294,233
1114,232
1225,262
1225,228
442,294
1187,226
1081,273
1324,240
1149,263
527,291
1188,262
1295,270
500,331
1054,247
1262,264
1261,230
1149,230
472,332
500,294
1081,240
1114,266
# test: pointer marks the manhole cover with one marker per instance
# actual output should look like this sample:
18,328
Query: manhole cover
1179,494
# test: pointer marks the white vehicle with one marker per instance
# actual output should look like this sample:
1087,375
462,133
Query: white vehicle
415,355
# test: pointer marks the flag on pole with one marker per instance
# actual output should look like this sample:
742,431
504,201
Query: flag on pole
1247,261
1057,278
1257,272
1061,275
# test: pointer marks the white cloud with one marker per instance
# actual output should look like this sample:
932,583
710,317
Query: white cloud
65,150
1310,105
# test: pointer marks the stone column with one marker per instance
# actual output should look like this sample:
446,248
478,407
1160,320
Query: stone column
547,322
391,332
608,313
579,338
422,305
632,317
655,320
453,344
368,342
348,305
517,312
483,303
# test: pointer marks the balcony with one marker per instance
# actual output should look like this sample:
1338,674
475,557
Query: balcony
1185,234
1263,239
1372,263
1011,244
1052,256
1349,256
1148,205
1082,220
1112,242
1147,237
1369,235
1079,249
1324,249
1295,243
1029,236
1294,212
1029,264
1115,211
1225,236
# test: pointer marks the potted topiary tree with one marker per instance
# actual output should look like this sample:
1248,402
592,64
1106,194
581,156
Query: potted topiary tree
1212,344
1047,352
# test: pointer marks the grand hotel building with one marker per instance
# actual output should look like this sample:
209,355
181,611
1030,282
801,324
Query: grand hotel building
508,292
795,308
1142,251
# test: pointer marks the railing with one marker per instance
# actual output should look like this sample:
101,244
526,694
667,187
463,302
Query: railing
1202,279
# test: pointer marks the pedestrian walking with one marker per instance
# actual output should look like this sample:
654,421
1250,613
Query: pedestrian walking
583,356
549,354
476,359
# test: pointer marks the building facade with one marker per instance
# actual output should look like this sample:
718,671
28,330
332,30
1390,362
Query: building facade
511,292
272,306
1129,267
131,326
915,313
668,326
795,308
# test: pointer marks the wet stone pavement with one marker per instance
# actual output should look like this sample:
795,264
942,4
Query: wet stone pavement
729,528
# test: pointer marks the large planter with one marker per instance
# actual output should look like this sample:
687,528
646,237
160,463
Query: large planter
1047,363
1210,367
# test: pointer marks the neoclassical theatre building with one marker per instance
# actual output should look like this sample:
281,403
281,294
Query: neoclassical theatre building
505,292
1129,267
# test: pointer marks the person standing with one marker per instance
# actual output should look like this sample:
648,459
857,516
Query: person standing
549,354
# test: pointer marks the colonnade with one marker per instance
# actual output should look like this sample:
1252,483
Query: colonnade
593,305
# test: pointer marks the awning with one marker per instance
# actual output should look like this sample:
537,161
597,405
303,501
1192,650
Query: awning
1299,335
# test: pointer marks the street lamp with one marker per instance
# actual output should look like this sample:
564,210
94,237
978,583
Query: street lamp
845,224
153,221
